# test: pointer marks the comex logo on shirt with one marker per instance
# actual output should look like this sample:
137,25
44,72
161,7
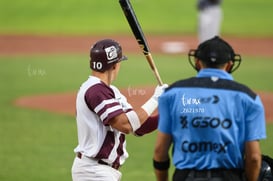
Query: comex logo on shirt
204,146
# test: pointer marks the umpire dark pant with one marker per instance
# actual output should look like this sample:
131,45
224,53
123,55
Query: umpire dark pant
208,175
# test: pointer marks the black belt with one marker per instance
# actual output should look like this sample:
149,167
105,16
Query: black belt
217,174
206,174
114,165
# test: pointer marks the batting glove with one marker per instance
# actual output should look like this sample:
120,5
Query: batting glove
150,106
159,90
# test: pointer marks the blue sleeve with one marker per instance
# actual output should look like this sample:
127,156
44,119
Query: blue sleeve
164,123
255,121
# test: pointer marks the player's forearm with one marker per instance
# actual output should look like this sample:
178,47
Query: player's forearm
142,114
161,175
252,168
136,118
161,169
148,126
253,160
146,110
130,121
161,159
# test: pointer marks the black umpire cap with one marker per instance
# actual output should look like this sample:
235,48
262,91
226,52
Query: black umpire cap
215,51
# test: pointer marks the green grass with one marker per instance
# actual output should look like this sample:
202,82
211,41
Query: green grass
243,18
36,145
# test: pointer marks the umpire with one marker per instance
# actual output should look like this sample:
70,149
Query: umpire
212,122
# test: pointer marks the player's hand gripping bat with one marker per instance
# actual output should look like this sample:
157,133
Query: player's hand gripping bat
139,35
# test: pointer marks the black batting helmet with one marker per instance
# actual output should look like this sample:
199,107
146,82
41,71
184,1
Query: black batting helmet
104,54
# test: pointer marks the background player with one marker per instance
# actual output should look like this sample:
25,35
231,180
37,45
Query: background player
209,19
104,117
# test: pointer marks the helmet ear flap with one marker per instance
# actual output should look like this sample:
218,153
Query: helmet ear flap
192,58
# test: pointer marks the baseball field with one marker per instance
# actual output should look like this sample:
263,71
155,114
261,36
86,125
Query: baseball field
44,49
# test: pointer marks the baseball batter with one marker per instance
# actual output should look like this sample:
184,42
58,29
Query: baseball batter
104,117
213,122
209,19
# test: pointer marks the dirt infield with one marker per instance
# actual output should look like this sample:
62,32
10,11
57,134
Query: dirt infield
65,103
10,44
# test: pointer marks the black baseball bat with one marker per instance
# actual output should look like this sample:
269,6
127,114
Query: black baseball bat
139,35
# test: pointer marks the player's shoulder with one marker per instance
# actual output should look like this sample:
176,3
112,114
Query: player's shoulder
95,87
115,89
90,82
207,82
237,86
182,83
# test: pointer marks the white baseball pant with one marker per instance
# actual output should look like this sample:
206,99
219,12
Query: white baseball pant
209,22
88,169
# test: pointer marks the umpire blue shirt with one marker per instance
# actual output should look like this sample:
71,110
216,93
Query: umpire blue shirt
210,117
